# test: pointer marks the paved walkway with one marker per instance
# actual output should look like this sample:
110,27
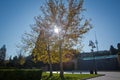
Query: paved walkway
108,76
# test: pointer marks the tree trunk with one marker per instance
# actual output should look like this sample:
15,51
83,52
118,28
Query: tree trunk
61,67
51,74
50,63
61,63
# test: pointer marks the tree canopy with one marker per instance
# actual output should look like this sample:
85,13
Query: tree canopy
67,17
50,47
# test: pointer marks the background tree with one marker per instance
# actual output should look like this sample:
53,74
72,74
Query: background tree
113,50
118,46
9,64
50,47
21,60
2,55
15,62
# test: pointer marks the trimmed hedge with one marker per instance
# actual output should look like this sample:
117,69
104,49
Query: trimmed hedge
20,74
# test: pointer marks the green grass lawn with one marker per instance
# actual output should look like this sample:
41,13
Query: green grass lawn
15,73
68,76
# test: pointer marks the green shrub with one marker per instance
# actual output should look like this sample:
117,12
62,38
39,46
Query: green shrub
20,74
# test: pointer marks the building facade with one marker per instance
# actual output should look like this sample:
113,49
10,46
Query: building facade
102,60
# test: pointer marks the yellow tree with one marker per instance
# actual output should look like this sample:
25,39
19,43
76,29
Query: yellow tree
21,59
42,50
65,16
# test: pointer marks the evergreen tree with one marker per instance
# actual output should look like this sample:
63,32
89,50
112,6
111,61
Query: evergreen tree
2,54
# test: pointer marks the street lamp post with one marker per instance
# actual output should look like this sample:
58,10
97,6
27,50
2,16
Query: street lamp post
92,45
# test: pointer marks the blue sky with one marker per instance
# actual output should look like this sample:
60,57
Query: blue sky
17,15
105,15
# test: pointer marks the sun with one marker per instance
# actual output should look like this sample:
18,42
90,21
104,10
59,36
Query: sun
56,30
